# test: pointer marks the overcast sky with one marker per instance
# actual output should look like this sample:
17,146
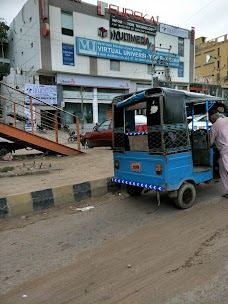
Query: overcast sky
209,17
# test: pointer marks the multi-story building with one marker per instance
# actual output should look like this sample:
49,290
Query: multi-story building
91,53
4,61
211,65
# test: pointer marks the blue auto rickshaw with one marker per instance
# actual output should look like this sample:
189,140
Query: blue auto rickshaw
168,156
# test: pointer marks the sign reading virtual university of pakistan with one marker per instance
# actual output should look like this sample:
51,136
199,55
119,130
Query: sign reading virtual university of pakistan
108,50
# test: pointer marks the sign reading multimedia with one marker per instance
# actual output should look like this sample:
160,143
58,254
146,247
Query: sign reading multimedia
174,31
68,54
117,35
47,93
127,24
108,50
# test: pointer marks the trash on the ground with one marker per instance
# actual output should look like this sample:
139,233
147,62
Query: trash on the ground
24,296
129,265
85,208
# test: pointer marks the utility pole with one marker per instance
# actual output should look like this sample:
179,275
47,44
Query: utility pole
82,109
152,65
168,70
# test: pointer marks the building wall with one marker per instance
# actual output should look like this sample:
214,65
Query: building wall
212,70
133,71
46,55
24,39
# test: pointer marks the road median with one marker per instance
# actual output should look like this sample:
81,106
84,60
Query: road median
20,204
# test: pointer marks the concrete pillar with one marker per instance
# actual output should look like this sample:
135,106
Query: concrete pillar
95,106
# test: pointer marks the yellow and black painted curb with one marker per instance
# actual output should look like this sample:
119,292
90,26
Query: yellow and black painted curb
20,204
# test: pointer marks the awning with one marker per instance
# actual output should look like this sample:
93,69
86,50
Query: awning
134,98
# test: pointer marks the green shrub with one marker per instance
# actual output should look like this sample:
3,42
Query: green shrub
6,169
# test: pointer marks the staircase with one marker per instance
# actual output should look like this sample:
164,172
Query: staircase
23,129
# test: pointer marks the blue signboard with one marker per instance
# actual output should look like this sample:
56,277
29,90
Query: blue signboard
68,54
108,50
181,69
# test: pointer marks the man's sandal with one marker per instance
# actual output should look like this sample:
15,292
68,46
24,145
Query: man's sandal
225,195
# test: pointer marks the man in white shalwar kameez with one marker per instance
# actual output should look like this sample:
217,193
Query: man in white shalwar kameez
219,137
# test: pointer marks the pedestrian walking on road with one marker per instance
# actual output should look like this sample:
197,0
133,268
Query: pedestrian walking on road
219,137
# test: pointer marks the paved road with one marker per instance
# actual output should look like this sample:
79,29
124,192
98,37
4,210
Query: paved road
125,250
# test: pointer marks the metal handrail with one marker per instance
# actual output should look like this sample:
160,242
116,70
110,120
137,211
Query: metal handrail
49,121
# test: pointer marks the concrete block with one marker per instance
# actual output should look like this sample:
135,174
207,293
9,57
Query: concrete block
3,207
42,199
19,204
98,187
63,195
81,191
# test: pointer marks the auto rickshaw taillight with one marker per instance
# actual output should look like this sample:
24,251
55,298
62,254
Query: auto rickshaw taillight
159,169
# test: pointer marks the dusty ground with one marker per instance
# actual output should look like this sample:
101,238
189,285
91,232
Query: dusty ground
126,250
33,170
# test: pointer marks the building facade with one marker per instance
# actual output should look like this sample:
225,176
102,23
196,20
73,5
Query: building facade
211,66
92,53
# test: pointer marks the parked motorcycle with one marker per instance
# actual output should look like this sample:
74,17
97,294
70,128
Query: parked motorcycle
66,128
73,137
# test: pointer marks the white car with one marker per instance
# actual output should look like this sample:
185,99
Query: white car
199,122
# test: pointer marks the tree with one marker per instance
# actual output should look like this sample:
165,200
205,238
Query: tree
3,31
3,39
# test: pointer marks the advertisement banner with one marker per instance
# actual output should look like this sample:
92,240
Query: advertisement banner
174,31
28,124
181,70
68,54
47,93
129,24
91,81
108,50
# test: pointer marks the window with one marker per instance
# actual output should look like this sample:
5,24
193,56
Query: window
181,46
43,79
67,23
30,19
115,91
181,69
204,118
104,125
32,45
114,65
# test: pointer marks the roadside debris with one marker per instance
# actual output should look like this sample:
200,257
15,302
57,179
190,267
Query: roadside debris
85,208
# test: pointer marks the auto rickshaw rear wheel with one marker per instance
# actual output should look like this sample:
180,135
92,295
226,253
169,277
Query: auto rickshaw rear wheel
134,190
185,196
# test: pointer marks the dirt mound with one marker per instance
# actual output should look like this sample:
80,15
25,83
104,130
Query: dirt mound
32,170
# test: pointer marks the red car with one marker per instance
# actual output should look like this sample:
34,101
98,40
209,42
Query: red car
101,136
